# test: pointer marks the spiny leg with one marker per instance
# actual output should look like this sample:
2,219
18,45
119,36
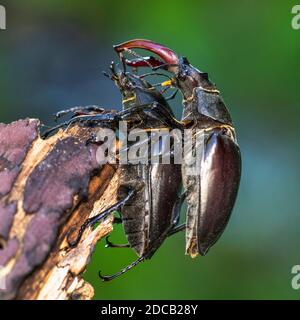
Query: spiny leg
64,124
92,221
79,108
176,216
84,118
177,229
177,208
176,212
107,117
46,133
109,244
154,108
133,264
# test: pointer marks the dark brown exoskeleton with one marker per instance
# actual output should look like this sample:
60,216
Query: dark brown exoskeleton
212,193
153,213
149,200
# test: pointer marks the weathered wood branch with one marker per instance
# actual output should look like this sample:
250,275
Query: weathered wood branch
48,188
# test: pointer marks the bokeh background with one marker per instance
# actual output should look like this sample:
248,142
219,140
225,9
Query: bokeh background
51,57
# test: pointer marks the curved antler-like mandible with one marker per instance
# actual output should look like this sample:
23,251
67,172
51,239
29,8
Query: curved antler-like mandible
167,55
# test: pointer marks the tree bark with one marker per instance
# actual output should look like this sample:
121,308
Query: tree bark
48,188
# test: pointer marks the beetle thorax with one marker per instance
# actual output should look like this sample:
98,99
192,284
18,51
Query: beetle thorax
189,78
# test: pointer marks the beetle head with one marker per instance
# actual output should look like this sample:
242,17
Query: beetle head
134,89
126,83
186,77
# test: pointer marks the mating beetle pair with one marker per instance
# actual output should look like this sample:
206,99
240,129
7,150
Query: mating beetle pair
218,183
150,208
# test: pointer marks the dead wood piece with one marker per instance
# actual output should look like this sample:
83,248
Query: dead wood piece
47,189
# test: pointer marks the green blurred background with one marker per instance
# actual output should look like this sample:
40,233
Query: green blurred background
51,57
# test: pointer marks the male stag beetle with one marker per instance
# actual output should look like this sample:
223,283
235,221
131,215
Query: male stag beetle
148,194
211,194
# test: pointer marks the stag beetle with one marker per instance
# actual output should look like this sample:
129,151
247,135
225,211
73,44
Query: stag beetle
148,194
211,194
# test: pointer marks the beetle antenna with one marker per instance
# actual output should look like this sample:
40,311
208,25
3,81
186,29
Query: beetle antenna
155,74
106,74
109,76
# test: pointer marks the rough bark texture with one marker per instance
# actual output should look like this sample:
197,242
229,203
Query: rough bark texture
48,188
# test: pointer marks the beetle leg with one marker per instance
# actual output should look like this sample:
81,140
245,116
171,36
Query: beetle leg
154,109
79,108
109,244
47,133
133,264
77,119
142,258
92,221
177,229
87,118
176,216
177,209
118,220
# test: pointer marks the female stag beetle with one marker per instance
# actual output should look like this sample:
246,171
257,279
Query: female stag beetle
148,193
211,194
153,213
